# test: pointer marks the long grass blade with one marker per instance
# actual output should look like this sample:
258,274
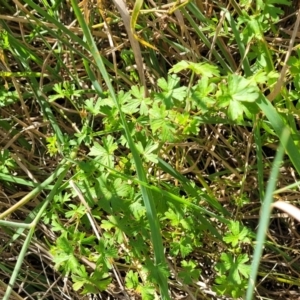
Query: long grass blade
265,213
146,193
259,157
18,264
135,13
278,124
36,191
240,44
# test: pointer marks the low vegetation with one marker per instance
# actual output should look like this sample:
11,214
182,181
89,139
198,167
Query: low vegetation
149,149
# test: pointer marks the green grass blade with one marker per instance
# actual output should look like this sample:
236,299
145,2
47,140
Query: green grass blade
18,264
240,44
265,213
21,181
61,168
259,158
147,195
135,13
92,76
14,224
278,125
